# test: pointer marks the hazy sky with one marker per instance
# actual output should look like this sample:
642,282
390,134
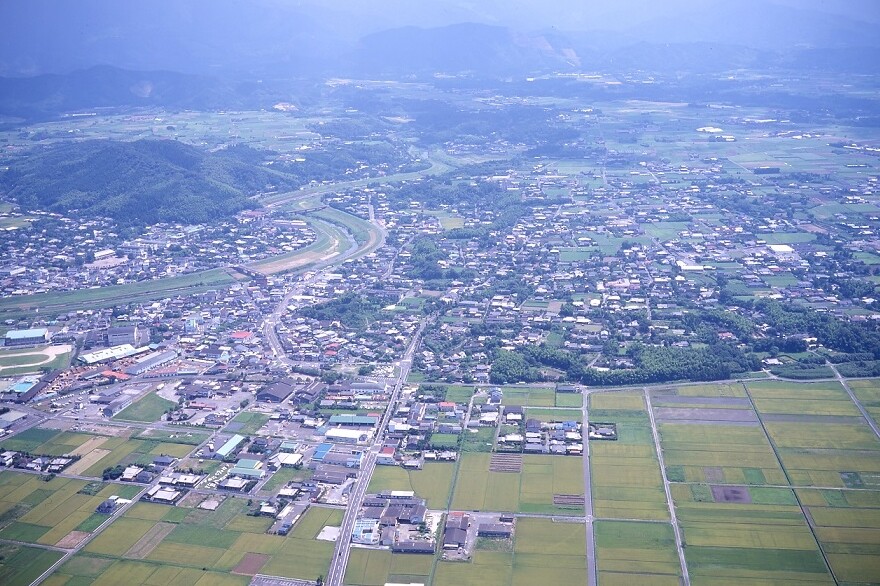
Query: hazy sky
38,36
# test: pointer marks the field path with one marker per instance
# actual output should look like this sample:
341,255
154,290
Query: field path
87,461
685,577
86,448
146,544
592,572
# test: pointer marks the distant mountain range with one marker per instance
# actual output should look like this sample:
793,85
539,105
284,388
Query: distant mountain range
141,182
215,54
270,39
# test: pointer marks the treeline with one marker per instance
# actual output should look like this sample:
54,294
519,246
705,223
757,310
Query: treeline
332,163
829,331
352,310
141,182
652,364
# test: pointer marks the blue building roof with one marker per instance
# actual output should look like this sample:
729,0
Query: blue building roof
321,451
230,445
352,420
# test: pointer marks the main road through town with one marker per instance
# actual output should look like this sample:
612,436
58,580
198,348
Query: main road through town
336,572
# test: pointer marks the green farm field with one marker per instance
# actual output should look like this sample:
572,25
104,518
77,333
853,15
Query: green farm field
734,454
20,564
40,512
66,301
531,491
432,483
528,396
632,552
370,567
626,478
203,544
147,409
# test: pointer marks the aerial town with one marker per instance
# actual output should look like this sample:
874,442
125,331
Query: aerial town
624,340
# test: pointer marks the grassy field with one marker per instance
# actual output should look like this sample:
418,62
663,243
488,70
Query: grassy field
459,393
330,241
447,220
247,423
285,475
551,414
529,396
67,301
481,441
147,410
577,254
625,474
432,483
34,360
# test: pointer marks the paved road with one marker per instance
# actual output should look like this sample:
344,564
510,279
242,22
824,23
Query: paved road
336,572
685,577
855,399
588,496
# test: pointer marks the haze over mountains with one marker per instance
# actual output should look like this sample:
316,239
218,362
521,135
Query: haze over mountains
61,56
344,37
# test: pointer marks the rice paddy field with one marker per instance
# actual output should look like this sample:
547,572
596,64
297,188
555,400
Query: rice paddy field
544,552
98,452
59,512
868,393
625,474
817,432
432,483
153,544
531,490
635,552
372,567
773,482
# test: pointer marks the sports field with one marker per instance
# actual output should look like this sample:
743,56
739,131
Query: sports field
16,362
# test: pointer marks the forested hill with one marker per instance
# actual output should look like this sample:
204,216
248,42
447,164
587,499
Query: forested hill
140,182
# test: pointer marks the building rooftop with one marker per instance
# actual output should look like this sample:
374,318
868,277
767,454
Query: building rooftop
26,334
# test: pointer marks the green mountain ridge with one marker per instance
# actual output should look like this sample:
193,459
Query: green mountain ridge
141,182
